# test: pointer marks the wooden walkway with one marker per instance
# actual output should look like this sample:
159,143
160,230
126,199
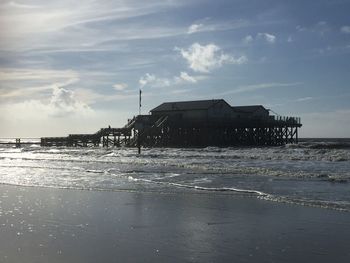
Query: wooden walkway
18,142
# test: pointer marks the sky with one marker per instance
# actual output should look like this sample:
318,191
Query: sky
75,66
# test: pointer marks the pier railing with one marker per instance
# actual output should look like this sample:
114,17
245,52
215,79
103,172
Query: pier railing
286,119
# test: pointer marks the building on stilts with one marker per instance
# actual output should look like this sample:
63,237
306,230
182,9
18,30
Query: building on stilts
199,123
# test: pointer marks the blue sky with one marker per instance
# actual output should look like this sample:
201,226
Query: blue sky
76,66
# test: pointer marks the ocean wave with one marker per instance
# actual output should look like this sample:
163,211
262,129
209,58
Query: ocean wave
206,166
320,145
306,172
76,169
334,205
301,152
106,184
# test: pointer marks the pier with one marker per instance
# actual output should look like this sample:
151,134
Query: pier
18,142
192,124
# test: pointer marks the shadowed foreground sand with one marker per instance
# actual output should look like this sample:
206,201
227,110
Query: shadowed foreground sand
55,225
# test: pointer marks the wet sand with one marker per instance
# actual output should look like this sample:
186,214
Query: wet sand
58,225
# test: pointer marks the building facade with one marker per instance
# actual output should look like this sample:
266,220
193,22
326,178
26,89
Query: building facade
209,110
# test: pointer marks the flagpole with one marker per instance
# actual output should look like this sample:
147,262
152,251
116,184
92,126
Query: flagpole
140,102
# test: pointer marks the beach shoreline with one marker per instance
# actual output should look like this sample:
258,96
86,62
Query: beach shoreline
61,225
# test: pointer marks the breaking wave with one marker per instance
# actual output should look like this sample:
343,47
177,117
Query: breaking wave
313,173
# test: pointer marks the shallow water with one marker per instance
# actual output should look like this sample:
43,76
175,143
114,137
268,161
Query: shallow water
315,172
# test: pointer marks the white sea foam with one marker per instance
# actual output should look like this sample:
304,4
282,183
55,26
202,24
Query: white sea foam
296,174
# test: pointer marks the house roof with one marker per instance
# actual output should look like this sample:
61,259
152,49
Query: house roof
186,105
248,109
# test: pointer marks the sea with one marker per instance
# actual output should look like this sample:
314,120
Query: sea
315,172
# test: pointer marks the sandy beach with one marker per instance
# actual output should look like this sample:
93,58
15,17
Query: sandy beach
58,225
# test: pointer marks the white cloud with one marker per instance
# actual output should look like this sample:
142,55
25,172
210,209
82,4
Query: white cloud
40,118
13,74
322,23
345,29
14,5
187,78
152,80
194,28
208,57
304,99
266,37
35,91
33,116
248,39
23,83
64,102
325,50
254,87
63,111
61,103
120,86
68,26
321,28
58,15
269,38
300,28
289,39
63,24
267,85
206,25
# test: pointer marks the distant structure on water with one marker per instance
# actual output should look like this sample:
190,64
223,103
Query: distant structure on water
193,124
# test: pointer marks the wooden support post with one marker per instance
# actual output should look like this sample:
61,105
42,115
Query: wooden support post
18,143
138,142
138,147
